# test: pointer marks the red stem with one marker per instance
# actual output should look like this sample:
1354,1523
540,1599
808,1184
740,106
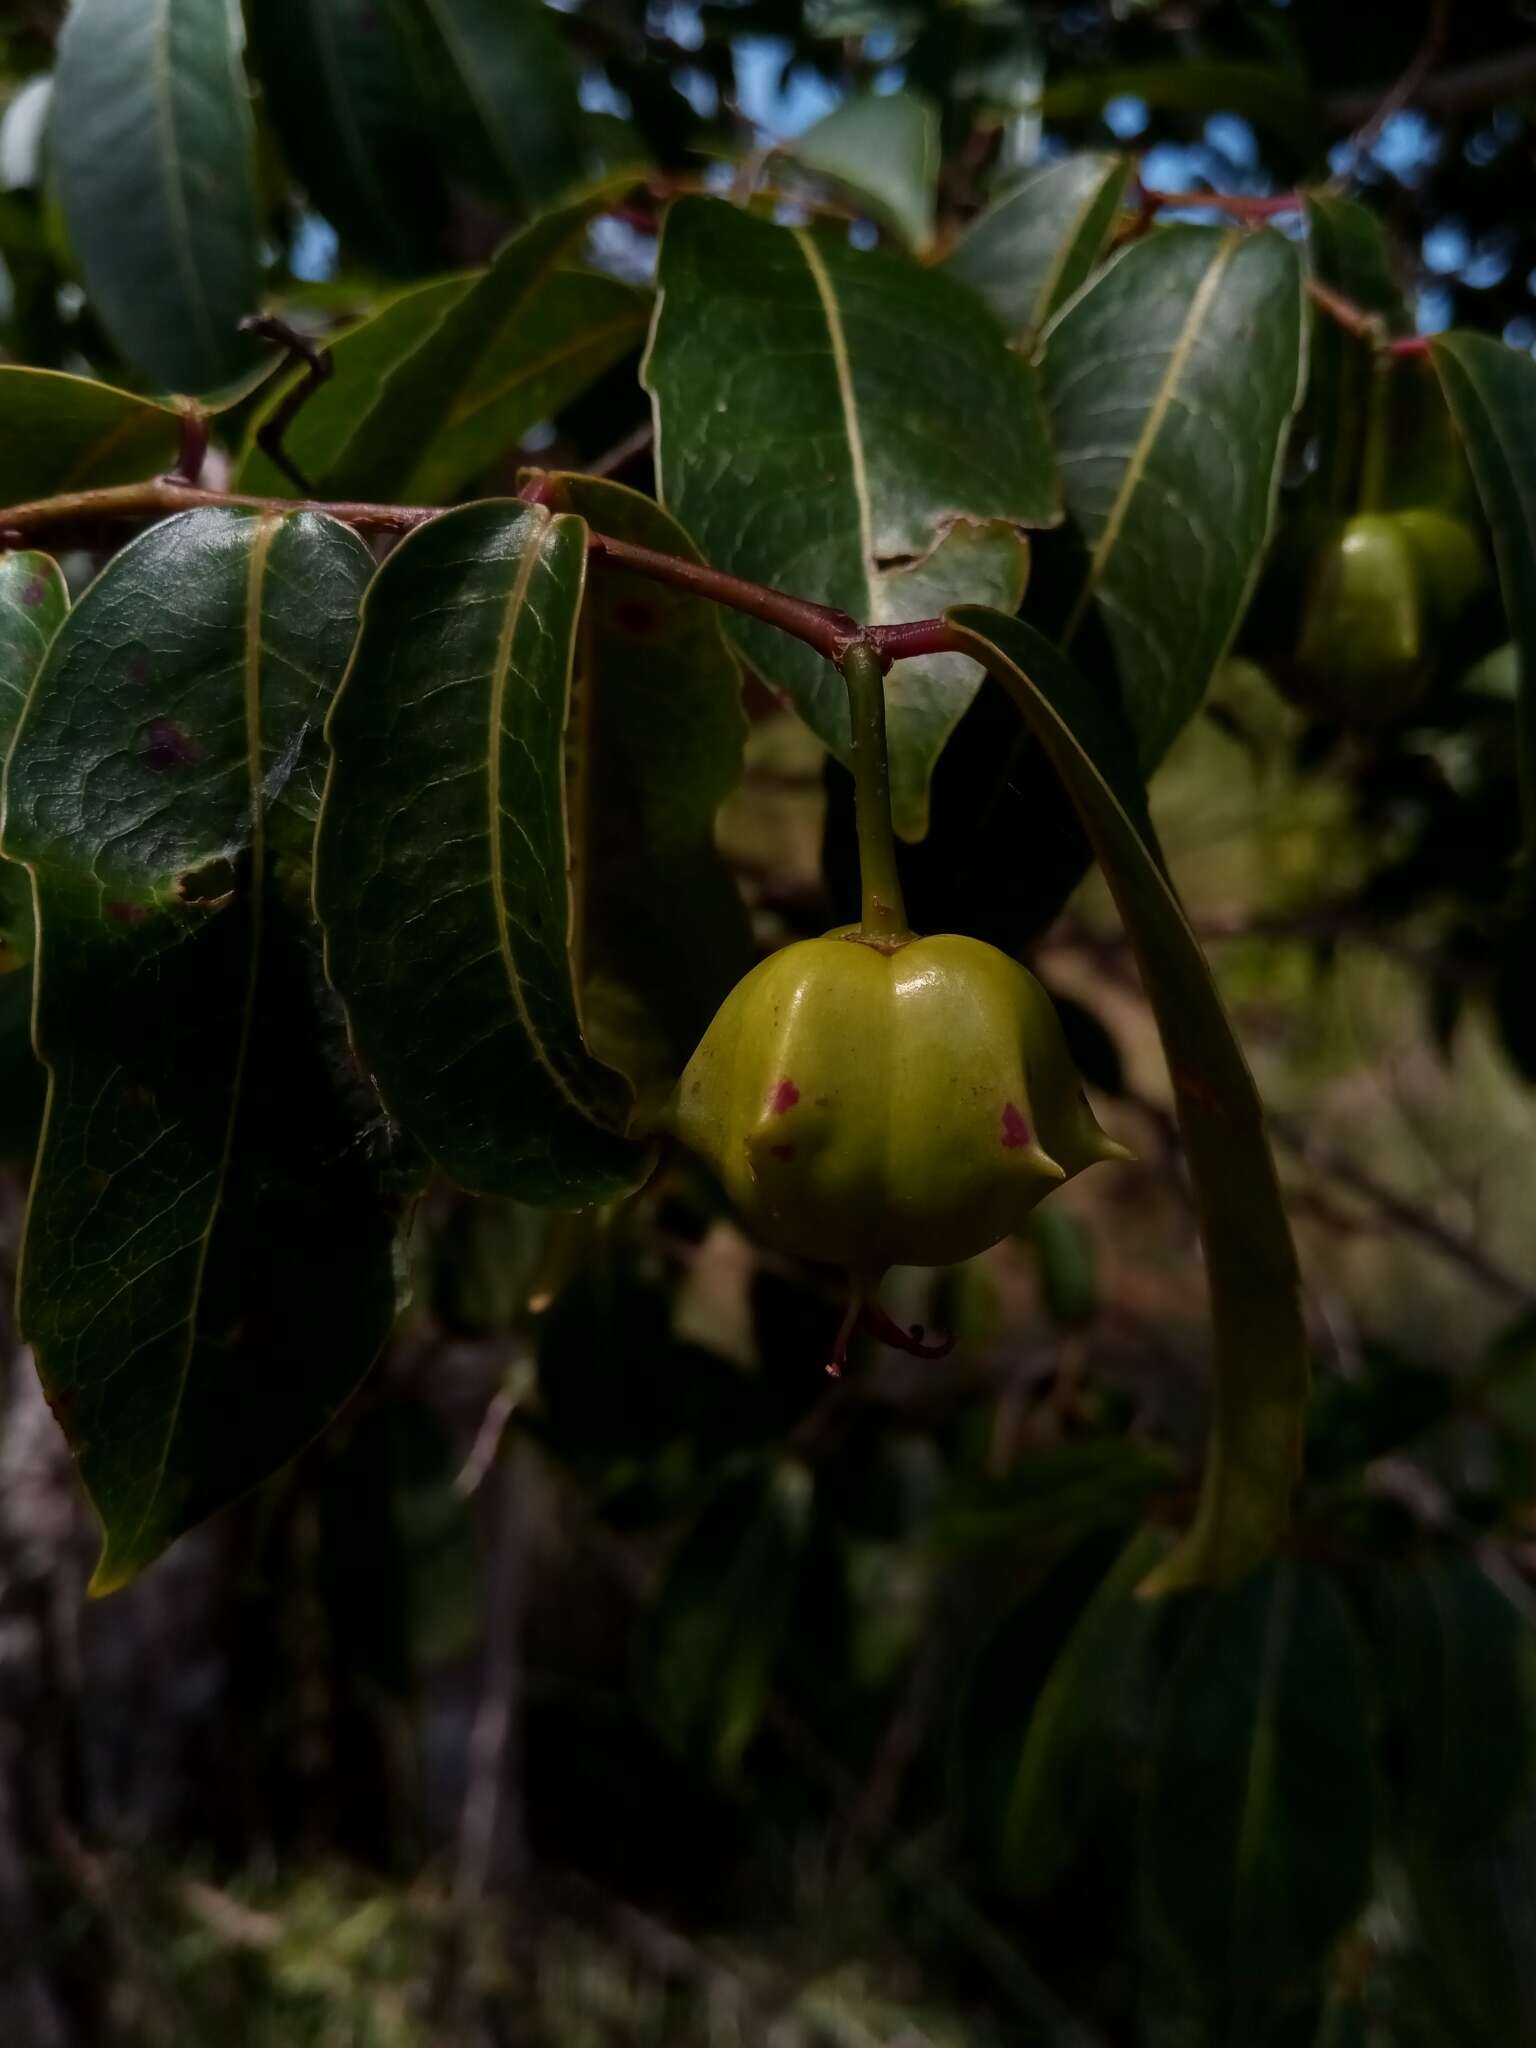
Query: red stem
1245,205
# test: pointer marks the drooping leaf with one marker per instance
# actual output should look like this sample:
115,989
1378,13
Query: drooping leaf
339,91
1475,1910
1347,250
443,860
720,1619
61,433
1171,383
1060,1783
665,936
152,145
1034,246
800,445
431,391
1260,1343
1259,1821
884,148
207,1271
1491,391
1455,1678
33,603
500,91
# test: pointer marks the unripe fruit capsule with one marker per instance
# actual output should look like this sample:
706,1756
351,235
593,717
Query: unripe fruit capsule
878,1104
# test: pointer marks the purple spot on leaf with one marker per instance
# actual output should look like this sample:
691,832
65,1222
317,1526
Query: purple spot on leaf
1017,1136
127,913
138,670
785,1095
35,592
163,744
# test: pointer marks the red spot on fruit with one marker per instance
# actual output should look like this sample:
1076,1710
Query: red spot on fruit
784,1096
782,1151
1016,1132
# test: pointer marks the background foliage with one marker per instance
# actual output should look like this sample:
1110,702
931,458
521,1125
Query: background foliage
601,1675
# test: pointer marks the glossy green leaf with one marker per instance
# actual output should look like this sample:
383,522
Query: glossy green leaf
1475,1910
1347,250
433,390
340,95
61,433
1171,383
853,429
722,1614
152,147
499,89
1491,391
443,861
1260,1342
1038,244
1259,1818
1456,1681
34,601
207,1271
665,936
1060,1782
883,148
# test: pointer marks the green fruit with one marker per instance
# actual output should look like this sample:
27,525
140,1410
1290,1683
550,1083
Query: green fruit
879,1104
1382,591
1450,558
1360,656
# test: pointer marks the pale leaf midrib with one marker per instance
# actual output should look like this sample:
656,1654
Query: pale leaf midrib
1064,250
517,597
838,343
264,532
1135,469
170,159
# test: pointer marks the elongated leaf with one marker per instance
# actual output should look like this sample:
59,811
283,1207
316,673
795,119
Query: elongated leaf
1491,391
153,148
1259,1820
1060,1783
1259,1337
884,148
665,936
1347,250
500,91
207,1270
433,390
33,604
1037,244
720,1620
442,876
60,433
855,430
340,95
1476,1911
1171,383
1456,1684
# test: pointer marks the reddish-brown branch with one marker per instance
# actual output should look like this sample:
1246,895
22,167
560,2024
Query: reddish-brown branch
1242,205
831,632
